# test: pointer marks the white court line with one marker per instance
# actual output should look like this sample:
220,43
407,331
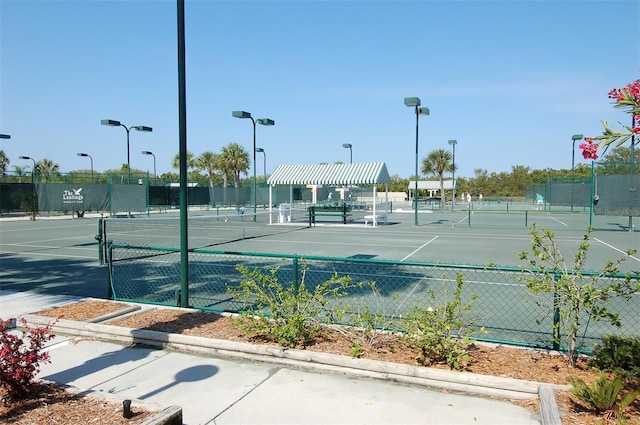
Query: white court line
555,219
38,229
418,249
40,254
26,243
616,249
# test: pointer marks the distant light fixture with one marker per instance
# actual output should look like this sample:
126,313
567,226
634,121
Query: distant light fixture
414,102
350,147
262,121
87,155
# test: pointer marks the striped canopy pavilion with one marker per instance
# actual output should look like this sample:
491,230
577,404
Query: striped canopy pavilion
367,173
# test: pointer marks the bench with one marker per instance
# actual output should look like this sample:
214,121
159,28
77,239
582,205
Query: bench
375,219
342,211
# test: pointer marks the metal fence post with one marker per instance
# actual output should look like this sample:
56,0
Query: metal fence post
100,241
556,315
295,273
110,271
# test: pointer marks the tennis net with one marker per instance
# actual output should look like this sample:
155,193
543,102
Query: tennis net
204,229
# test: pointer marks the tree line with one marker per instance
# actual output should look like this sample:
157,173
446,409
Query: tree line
232,162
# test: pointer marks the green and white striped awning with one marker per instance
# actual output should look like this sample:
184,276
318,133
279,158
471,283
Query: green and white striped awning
331,174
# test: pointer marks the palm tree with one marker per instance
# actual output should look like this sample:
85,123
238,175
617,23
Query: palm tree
237,160
225,169
191,161
437,163
4,161
19,172
234,160
208,162
47,168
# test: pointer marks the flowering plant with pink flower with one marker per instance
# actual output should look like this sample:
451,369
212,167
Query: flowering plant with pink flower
627,98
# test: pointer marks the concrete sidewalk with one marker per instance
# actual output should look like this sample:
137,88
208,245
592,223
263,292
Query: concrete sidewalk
215,390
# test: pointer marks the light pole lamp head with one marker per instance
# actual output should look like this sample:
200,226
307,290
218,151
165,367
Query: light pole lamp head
5,136
143,128
577,137
26,157
241,114
412,101
423,110
265,121
453,142
112,123
82,154
147,153
259,150
347,145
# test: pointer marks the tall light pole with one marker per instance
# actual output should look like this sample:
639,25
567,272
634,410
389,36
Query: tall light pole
414,102
114,123
91,158
453,143
262,121
350,147
265,162
573,162
33,187
155,175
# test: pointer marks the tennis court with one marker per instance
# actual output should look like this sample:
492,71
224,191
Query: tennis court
62,255
477,237
404,260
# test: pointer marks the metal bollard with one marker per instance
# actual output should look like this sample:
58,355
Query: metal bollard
126,409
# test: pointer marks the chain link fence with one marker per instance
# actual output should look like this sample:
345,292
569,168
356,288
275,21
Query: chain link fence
508,311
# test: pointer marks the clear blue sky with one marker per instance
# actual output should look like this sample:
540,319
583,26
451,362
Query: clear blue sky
511,81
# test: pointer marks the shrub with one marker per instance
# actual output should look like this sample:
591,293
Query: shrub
574,293
288,314
20,358
442,332
363,324
618,354
601,395
604,394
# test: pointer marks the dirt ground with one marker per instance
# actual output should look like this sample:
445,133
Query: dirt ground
532,365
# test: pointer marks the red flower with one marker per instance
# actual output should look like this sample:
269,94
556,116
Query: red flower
590,149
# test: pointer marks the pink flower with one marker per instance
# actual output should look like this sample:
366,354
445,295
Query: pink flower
634,90
589,149
614,94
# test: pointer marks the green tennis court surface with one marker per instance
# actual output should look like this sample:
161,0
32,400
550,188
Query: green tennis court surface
453,237
60,256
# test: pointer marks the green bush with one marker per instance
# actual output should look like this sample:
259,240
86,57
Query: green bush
618,354
363,324
441,332
601,395
604,395
575,294
287,314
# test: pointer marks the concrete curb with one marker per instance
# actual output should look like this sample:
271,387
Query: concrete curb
464,382
172,415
